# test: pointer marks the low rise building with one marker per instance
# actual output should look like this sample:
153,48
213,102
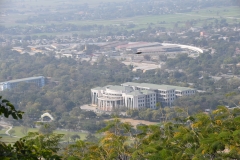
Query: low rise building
137,95
38,81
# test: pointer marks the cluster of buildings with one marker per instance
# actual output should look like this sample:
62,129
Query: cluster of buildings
136,95
120,50
8,85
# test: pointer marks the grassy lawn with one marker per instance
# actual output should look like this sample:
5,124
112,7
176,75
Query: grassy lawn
232,15
135,122
19,134
82,135
2,132
7,139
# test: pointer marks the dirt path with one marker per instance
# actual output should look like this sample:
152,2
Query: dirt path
5,125
7,131
135,122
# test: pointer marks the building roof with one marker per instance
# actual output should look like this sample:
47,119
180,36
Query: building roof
147,92
137,45
156,86
135,93
216,78
23,79
117,88
177,88
158,48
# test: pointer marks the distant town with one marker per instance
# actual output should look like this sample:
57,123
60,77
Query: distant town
154,54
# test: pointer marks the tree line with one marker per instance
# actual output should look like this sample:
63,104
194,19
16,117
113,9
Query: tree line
199,136
68,84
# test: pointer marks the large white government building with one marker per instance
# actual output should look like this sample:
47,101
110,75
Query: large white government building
136,95
38,81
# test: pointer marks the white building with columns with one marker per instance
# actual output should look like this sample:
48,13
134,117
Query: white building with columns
136,95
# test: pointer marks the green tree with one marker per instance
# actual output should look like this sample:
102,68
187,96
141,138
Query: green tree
7,109
91,138
33,146
47,128
75,137
200,136
43,146
24,130
12,132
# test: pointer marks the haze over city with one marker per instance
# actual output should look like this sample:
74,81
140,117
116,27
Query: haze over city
122,79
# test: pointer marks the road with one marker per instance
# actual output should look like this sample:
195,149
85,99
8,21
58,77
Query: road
6,125
7,131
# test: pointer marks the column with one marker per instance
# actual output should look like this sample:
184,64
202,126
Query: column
107,105
104,104
125,101
111,105
96,97
101,105
92,97
132,103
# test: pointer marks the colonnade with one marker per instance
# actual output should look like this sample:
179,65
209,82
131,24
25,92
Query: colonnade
129,103
94,96
109,105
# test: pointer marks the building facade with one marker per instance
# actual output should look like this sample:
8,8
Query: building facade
137,95
38,81
112,97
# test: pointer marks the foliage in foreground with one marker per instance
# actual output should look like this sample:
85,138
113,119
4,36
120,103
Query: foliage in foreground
201,136
33,146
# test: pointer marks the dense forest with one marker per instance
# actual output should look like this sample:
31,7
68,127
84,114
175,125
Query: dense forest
68,85
69,82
